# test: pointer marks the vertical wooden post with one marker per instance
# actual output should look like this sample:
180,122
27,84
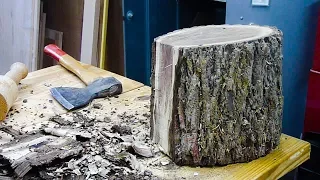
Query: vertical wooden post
90,31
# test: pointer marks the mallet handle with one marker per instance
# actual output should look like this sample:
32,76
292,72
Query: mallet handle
70,63
17,72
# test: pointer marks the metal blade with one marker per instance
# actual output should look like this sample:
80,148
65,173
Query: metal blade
71,98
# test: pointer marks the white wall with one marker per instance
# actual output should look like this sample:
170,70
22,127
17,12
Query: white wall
19,24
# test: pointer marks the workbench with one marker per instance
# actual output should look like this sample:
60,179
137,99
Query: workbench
35,105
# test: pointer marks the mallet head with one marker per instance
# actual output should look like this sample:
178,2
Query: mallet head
9,88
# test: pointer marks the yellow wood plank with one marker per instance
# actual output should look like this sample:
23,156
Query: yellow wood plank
291,153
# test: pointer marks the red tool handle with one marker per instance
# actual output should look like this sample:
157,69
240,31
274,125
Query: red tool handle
71,64
54,51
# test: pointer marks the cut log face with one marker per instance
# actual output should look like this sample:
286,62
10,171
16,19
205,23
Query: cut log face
217,93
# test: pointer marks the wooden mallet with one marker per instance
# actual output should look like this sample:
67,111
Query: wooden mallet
9,87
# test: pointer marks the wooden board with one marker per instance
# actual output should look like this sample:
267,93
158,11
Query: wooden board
42,29
66,16
19,33
57,38
114,56
55,35
90,30
115,53
136,100
35,90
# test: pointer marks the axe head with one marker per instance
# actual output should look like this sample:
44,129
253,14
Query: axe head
73,98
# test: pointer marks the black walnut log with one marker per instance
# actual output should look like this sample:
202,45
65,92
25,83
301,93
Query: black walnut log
217,93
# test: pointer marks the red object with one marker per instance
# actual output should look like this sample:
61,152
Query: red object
312,114
54,51
316,61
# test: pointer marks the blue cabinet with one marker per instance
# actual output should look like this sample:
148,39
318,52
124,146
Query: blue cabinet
143,21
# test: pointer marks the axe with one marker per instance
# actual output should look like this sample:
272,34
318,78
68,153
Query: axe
97,87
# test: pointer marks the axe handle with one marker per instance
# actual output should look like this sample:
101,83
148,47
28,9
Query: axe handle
70,63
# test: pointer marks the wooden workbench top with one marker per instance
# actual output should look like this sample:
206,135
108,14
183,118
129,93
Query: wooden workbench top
35,106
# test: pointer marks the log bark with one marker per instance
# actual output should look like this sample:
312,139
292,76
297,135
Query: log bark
217,93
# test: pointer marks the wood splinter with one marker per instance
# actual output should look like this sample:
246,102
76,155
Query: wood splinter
217,93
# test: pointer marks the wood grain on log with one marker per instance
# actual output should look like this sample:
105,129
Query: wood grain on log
217,93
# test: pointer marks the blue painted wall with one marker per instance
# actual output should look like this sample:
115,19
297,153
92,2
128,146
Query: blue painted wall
151,18
297,19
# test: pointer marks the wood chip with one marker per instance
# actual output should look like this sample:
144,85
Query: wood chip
59,170
68,132
127,138
143,98
142,149
164,163
80,160
58,119
10,131
6,178
97,106
93,168
22,169
107,119
98,158
147,173
122,130
77,172
110,135
71,164
134,163
103,172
